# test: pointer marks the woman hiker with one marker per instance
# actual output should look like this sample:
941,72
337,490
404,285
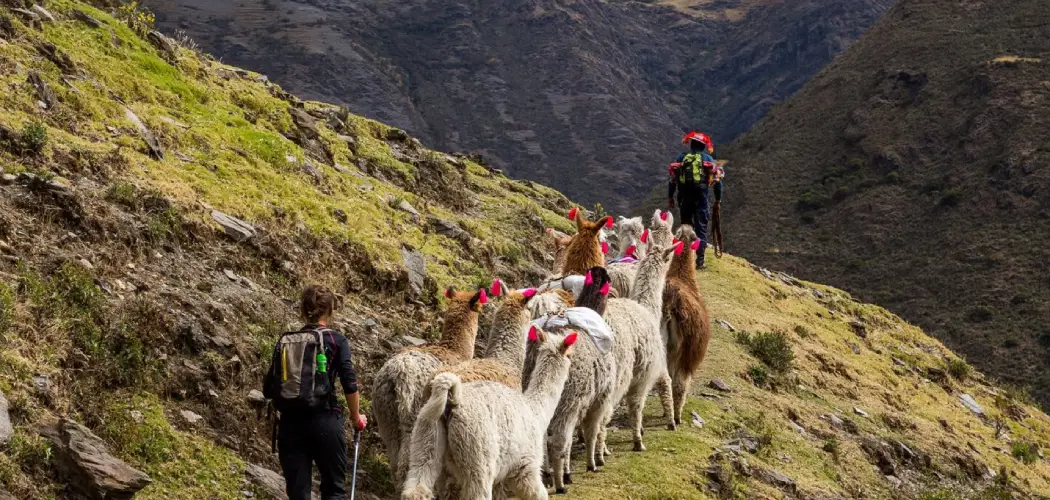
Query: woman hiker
301,383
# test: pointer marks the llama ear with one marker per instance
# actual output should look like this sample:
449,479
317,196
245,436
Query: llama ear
449,292
663,216
695,246
608,222
605,247
550,230
605,289
497,287
678,248
588,279
570,339
630,250
483,297
573,213
528,293
645,236
533,334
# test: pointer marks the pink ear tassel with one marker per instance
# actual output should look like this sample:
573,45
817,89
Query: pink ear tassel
497,287
550,229
663,216
630,250
588,280
533,335
608,223
678,248
571,339
645,236
529,292
605,289
695,246
572,213
483,298
605,247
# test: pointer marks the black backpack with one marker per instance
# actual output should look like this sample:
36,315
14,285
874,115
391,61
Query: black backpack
295,381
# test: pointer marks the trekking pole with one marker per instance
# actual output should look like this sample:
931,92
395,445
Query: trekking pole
353,479
716,229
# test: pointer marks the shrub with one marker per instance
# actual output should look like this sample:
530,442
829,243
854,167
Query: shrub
980,314
1027,453
812,200
7,308
33,138
803,332
123,193
772,348
832,446
959,369
951,197
759,375
137,18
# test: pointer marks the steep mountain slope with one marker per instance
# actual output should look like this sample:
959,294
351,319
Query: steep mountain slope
584,95
160,211
913,171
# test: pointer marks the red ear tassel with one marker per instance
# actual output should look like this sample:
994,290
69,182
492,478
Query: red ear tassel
695,246
608,223
678,248
605,289
550,229
497,287
448,293
571,339
573,212
674,241
663,216
605,247
529,292
587,280
483,298
533,336
630,250
645,236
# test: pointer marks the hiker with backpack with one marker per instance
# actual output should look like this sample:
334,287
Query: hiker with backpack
301,385
692,177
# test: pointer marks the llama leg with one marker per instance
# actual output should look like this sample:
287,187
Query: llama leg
667,399
401,472
606,452
561,447
681,389
591,430
476,489
635,406
528,486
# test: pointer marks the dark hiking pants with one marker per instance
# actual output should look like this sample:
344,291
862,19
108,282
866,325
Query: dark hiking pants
305,440
695,211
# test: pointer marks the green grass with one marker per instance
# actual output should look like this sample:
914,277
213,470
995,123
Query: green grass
182,465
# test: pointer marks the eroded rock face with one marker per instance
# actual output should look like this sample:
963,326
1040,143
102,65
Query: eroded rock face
86,466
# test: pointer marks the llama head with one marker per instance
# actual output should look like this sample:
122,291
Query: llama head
586,227
550,343
660,228
592,296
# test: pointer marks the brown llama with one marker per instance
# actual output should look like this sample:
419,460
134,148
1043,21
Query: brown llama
585,250
561,242
687,323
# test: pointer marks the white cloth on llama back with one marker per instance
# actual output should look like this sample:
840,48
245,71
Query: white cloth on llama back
583,319
573,283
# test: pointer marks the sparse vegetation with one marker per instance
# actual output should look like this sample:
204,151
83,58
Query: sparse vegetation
7,308
832,446
772,348
959,369
1026,452
33,138
759,376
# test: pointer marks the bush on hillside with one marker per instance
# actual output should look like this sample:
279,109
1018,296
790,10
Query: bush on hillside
1027,453
33,138
772,348
959,369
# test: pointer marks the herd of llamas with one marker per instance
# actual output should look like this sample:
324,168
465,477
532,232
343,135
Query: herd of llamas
559,359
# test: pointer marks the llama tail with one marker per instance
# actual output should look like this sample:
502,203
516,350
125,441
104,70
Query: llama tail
430,437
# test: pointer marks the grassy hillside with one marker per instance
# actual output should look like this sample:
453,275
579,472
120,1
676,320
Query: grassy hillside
913,172
124,304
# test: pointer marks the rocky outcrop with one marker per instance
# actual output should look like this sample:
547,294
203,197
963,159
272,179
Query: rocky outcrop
6,430
86,466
